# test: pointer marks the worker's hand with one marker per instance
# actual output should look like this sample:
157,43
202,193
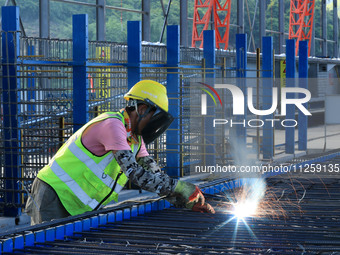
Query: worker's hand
190,196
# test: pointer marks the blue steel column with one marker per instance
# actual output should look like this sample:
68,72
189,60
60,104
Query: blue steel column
173,88
241,74
80,81
267,91
209,56
290,82
10,97
134,42
303,83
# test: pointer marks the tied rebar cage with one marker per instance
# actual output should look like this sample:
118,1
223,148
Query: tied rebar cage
37,103
42,91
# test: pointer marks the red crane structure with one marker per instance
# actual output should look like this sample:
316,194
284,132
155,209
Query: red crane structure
203,11
301,21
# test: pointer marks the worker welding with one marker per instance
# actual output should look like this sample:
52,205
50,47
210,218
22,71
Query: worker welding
170,127
95,163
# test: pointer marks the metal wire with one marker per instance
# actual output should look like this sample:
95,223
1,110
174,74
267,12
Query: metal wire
308,227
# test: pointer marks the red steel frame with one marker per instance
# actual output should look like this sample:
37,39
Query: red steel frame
301,21
221,25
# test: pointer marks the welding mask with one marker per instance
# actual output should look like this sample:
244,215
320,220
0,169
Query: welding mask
159,122
154,95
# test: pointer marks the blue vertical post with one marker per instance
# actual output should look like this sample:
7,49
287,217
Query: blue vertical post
267,96
210,60
241,74
290,82
303,83
173,88
80,81
11,98
134,42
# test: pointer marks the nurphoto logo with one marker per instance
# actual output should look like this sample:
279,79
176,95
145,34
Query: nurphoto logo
238,104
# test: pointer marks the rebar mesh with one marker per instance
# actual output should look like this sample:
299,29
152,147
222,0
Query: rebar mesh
45,100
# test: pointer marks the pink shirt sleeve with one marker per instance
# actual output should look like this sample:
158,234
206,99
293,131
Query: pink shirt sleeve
142,152
108,135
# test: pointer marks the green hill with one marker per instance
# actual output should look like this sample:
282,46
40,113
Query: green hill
61,18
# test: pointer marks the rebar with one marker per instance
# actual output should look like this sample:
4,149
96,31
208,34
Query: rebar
310,226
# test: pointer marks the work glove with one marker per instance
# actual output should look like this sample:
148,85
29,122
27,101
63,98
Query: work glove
189,196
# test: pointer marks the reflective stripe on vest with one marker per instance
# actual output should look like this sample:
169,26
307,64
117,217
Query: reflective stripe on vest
73,185
104,171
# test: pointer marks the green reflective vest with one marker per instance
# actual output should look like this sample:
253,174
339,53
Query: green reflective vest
83,181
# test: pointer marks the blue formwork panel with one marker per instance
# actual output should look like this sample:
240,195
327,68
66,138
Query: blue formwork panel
154,206
7,245
40,236
86,224
119,215
19,242
50,234
29,239
69,229
161,204
102,219
141,209
134,211
78,226
127,213
60,232
148,207
111,217
167,204
94,222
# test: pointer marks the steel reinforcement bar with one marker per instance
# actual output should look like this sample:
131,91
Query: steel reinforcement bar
161,228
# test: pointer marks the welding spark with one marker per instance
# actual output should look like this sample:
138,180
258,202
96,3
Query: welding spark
245,203
245,209
250,201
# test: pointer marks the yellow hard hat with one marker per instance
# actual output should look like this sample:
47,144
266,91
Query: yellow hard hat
149,91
